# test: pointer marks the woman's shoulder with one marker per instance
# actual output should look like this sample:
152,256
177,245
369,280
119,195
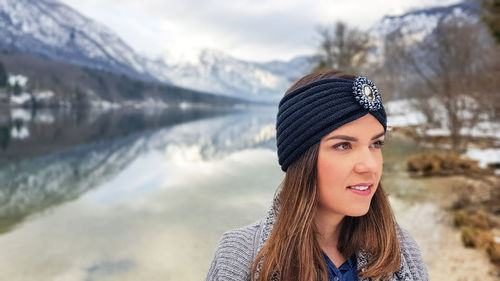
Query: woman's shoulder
412,264
235,253
245,239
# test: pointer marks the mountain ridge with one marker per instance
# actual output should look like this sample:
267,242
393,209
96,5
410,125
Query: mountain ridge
54,30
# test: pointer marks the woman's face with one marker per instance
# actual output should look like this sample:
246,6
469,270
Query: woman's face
348,156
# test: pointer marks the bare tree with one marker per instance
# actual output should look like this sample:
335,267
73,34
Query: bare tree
390,70
343,48
451,65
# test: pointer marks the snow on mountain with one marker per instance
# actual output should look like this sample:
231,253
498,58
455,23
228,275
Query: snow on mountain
424,20
414,29
221,73
54,30
415,25
209,69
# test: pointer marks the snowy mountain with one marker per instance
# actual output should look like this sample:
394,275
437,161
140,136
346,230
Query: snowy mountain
415,25
221,73
208,69
425,20
413,33
56,31
53,30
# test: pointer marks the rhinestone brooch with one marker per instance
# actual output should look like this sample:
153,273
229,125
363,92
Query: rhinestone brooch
366,93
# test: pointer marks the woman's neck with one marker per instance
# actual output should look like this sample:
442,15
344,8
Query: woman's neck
328,227
328,232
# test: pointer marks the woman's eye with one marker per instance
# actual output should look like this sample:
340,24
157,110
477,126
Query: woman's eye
378,144
345,145
342,146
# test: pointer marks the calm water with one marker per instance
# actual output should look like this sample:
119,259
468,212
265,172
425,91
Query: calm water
131,195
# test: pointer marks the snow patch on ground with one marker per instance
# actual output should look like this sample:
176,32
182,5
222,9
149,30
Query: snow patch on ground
484,156
402,113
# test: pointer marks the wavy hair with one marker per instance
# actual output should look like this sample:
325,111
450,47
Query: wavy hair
292,252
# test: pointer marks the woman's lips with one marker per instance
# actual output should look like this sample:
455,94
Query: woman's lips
361,192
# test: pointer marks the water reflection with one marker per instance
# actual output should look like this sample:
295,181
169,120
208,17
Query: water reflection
27,133
139,207
142,160
150,203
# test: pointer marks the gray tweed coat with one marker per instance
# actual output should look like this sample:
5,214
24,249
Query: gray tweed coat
238,248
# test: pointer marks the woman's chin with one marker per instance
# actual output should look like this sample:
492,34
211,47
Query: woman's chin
358,212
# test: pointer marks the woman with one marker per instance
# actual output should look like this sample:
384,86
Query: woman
331,219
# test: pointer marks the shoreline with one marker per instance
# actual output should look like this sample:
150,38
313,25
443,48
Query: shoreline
444,253
452,260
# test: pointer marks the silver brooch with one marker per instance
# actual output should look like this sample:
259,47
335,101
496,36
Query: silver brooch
366,93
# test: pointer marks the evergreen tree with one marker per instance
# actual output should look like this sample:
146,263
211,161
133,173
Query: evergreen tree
3,76
17,89
492,17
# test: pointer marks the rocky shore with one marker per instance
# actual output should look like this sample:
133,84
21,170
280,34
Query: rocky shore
476,200
468,195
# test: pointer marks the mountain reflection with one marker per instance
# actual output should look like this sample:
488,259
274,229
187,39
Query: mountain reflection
29,133
64,155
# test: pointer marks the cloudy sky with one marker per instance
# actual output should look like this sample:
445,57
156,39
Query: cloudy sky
248,29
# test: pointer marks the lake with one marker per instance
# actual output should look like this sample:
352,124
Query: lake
146,194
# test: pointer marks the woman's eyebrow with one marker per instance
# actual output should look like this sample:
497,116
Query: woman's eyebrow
348,138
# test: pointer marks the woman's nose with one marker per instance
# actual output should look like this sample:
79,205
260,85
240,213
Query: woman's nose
367,162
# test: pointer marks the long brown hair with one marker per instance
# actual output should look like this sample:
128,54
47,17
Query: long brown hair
292,252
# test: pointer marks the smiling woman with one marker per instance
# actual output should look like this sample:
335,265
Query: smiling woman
331,219
349,172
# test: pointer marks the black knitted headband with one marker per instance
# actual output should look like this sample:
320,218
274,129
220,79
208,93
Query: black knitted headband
311,112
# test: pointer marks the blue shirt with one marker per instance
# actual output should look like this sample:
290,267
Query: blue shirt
348,271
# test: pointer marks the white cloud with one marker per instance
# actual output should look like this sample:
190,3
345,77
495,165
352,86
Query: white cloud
253,30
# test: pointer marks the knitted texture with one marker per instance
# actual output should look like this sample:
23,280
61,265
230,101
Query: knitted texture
309,113
238,248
